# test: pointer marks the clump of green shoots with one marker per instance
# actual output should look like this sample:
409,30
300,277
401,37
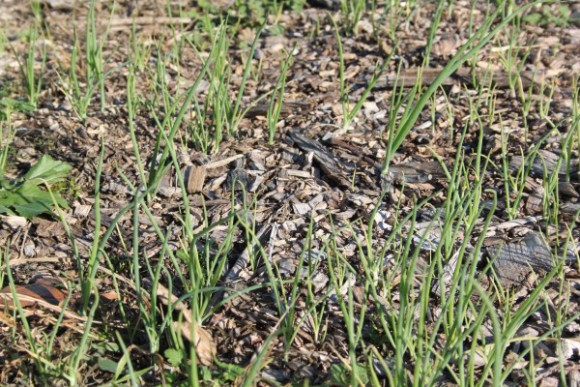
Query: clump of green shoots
348,113
80,91
223,111
477,41
572,140
6,133
32,79
175,111
277,99
352,11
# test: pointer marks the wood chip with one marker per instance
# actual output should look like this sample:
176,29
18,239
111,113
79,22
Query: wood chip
329,164
194,177
513,262
13,222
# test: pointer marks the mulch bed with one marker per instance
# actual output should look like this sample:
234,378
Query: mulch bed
314,171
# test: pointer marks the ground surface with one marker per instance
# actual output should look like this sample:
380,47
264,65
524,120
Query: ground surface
297,256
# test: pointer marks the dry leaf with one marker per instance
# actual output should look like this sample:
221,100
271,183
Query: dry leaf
204,345
45,289
110,295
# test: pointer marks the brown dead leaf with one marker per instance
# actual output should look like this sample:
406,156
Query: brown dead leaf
110,295
205,347
48,228
45,289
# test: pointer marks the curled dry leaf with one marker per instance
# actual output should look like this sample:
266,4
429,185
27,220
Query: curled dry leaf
110,295
43,289
205,347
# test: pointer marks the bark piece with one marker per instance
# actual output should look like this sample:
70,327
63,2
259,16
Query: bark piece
414,172
288,108
244,259
148,20
329,164
61,5
500,79
513,262
329,4
194,177
545,164
574,374
13,222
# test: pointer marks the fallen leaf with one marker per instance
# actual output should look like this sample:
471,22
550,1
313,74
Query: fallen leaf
205,347
45,289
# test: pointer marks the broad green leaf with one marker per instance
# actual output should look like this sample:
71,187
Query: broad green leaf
6,210
7,198
32,193
107,365
48,170
174,357
340,375
30,210
27,196
533,18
